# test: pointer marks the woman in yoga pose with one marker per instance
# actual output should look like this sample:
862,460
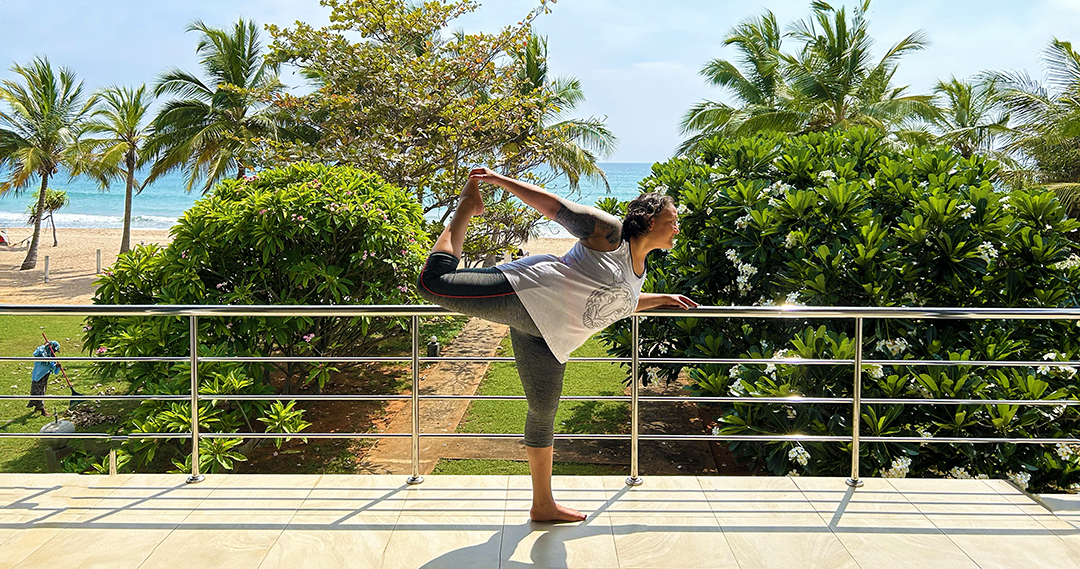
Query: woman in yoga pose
553,304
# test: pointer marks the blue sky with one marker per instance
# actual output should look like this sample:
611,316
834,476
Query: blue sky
638,60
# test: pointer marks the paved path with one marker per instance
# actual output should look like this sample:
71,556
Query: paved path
479,338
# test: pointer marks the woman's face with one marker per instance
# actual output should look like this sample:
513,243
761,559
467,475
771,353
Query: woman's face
665,226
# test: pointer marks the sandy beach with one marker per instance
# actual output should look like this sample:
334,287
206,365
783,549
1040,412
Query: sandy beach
72,264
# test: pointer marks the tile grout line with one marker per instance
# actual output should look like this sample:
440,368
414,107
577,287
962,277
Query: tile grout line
166,536
705,493
829,526
931,520
67,525
1040,503
286,526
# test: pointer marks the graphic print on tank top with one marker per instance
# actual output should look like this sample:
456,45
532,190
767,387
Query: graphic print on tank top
608,304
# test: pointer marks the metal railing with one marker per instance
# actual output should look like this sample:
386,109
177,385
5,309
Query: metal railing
858,314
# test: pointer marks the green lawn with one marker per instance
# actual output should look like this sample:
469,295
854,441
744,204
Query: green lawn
471,467
573,416
21,335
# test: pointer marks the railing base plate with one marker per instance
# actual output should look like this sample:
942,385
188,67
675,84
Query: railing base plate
414,480
854,483
634,481
194,479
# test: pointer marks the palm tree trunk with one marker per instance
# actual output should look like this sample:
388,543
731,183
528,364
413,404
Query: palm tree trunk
31,255
52,222
240,172
125,241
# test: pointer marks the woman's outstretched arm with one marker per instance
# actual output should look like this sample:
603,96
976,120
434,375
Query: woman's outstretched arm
599,230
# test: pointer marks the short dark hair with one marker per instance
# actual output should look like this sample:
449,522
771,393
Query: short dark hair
641,211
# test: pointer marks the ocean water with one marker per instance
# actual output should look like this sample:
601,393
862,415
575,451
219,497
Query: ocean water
161,204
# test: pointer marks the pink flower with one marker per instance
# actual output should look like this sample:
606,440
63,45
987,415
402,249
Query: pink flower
183,255
228,325
262,211
403,288
309,337
102,350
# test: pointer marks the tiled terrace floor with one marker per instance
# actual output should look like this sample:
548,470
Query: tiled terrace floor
69,521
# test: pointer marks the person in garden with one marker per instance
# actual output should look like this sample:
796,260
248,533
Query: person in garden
553,304
39,376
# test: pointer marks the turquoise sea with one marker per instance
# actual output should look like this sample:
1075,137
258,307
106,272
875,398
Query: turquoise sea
159,205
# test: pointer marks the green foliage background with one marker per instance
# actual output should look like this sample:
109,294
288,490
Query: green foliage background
300,235
843,218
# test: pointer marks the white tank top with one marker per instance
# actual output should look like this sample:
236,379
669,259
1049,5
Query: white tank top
572,297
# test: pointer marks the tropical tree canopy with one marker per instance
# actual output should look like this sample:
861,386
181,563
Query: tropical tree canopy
39,131
1047,120
420,106
118,154
831,82
212,128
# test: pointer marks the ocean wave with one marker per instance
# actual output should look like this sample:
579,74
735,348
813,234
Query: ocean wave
89,221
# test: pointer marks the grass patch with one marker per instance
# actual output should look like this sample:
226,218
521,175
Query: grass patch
22,334
486,467
573,416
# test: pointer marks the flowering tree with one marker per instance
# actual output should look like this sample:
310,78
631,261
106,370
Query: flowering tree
303,235
843,219
401,94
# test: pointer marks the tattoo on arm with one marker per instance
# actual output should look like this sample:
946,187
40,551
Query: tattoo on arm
580,225
584,222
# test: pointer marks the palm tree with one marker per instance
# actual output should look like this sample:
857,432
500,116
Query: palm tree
832,82
1048,117
121,152
40,131
54,200
759,87
970,118
212,129
570,146
835,79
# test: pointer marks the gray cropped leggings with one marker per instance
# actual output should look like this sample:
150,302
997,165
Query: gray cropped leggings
486,293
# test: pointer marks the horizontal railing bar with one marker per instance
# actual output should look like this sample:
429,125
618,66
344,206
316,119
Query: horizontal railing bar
97,359
674,399
5,435
687,361
1046,402
746,361
96,397
326,359
983,363
960,440
304,435
786,312
342,397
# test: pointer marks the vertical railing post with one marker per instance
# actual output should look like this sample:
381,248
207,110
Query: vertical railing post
856,412
195,475
415,478
634,479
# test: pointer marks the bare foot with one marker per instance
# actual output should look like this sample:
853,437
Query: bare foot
555,513
470,197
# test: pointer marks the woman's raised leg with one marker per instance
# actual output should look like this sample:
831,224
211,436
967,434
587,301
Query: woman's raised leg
469,205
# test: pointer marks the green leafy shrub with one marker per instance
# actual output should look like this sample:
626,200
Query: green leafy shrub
300,235
845,219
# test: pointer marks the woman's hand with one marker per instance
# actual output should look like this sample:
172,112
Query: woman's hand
483,175
648,301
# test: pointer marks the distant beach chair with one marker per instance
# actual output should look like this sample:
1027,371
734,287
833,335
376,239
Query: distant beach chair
5,242
4,238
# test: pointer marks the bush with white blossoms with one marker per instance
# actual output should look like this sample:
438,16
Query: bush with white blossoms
899,468
847,218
